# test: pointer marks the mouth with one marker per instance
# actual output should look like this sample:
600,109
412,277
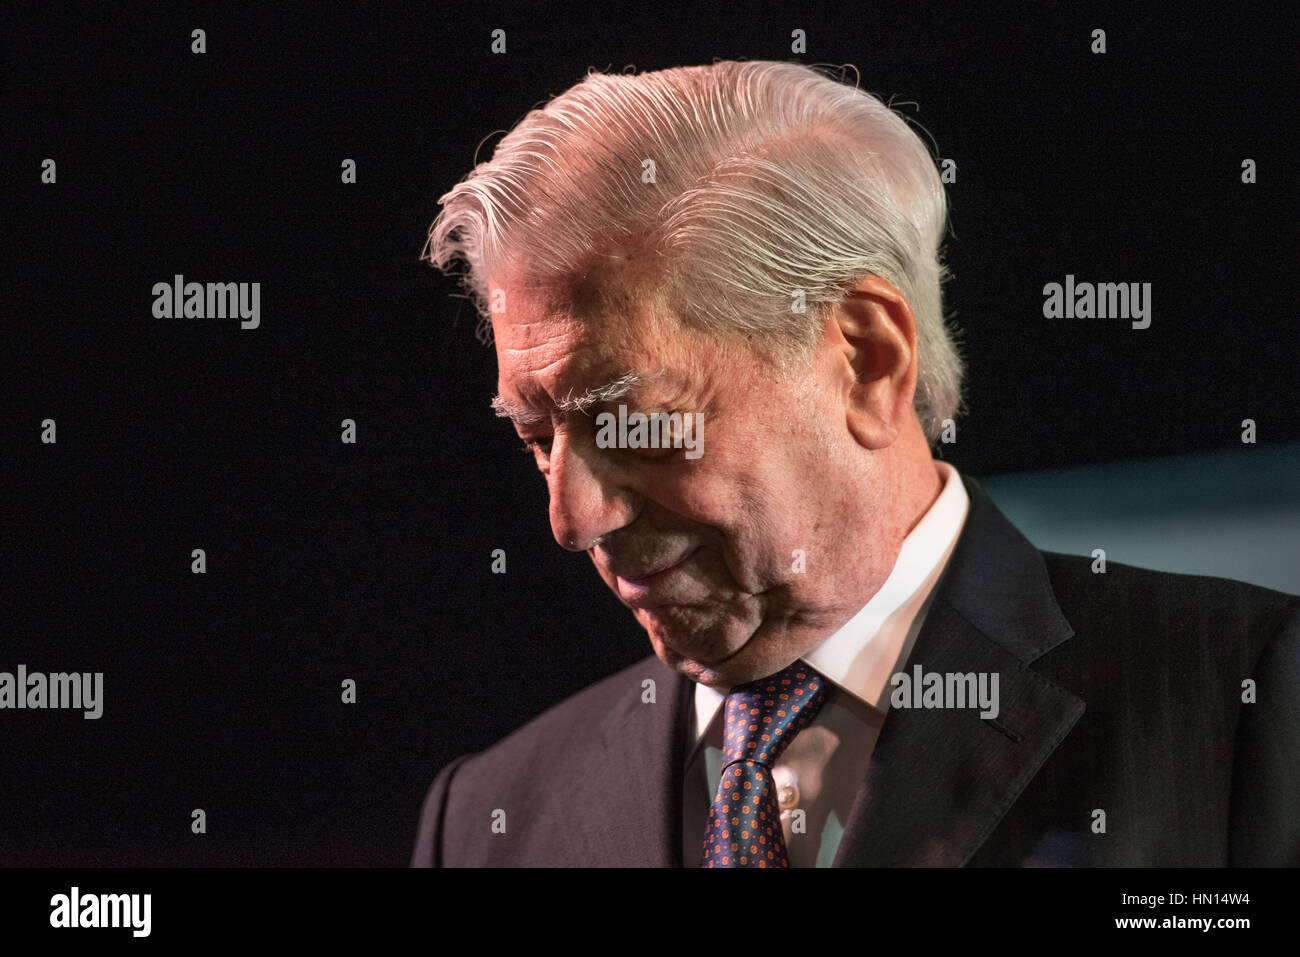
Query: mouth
655,573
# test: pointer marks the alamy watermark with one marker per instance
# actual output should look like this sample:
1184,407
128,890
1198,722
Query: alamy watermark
1103,300
75,909
656,430
950,689
179,299
36,690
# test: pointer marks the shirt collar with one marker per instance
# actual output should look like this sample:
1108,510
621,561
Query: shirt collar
862,655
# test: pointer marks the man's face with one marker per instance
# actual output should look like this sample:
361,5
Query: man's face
734,562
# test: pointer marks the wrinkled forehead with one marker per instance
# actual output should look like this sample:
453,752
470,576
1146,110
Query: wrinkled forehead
584,321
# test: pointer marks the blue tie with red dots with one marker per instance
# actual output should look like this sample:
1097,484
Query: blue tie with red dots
762,719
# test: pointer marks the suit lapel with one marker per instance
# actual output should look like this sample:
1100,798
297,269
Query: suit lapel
637,822
940,779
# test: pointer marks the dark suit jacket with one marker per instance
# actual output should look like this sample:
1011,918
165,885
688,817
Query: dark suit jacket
1120,692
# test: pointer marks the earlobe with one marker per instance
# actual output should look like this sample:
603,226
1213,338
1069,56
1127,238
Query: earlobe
872,431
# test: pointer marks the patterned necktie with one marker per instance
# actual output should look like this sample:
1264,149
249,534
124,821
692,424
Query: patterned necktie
762,719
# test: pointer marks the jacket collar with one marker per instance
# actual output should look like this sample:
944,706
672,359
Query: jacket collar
939,780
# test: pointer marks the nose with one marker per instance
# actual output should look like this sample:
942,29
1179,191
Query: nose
586,500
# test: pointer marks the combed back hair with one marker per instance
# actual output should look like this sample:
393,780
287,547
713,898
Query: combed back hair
744,186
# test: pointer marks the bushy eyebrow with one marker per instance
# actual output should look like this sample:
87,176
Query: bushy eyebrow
614,389
519,414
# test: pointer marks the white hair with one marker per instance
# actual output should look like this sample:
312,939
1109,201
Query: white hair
764,179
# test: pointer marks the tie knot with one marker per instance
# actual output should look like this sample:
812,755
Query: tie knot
763,716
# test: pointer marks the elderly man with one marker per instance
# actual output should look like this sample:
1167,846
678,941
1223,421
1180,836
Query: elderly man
857,659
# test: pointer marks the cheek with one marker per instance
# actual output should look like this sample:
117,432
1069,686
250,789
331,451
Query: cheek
748,512
697,490
784,521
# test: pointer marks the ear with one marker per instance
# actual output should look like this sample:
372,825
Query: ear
876,334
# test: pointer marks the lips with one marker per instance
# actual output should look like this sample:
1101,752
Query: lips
646,574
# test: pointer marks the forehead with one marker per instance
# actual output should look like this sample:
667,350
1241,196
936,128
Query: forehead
548,337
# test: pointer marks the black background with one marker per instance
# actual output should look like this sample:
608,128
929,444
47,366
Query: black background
372,561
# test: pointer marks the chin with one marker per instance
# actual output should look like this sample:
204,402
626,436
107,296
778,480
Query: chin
720,656
745,668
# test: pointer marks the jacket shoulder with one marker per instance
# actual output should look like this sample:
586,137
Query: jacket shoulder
579,713
1126,598
1190,740
536,764
564,727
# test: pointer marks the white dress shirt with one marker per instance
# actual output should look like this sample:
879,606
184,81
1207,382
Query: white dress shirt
822,770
